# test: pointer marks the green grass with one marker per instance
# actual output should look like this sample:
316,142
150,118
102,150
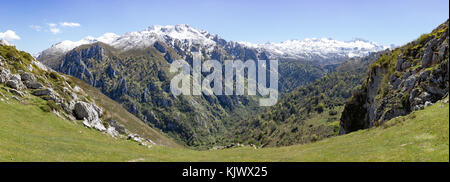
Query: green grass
121,115
29,134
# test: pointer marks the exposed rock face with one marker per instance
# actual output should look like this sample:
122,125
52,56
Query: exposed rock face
34,85
412,86
2,61
16,92
118,127
15,84
112,131
43,92
30,81
4,74
64,99
140,82
140,140
25,77
90,113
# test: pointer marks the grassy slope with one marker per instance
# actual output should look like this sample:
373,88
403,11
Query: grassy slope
29,134
117,112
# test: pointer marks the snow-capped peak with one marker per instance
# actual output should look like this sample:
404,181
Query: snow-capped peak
322,48
67,45
168,34
184,37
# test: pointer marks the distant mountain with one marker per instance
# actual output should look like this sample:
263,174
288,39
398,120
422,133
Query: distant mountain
132,69
325,50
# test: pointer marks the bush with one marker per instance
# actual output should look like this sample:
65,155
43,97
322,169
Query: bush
53,105
54,76
332,112
320,108
45,108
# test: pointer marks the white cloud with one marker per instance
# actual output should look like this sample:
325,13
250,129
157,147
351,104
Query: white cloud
37,28
9,35
69,24
55,30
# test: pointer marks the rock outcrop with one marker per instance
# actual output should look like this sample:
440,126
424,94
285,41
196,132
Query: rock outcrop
403,80
25,78
24,75
90,113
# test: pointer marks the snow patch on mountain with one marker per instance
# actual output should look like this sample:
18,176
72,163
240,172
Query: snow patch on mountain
184,37
67,45
169,34
318,48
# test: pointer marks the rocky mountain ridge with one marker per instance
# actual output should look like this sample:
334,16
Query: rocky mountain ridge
400,81
185,37
27,79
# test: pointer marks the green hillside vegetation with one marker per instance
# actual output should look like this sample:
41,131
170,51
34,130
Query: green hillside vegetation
29,134
309,113
402,80
115,111
294,73
139,79
18,61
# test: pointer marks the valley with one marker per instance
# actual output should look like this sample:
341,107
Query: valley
109,99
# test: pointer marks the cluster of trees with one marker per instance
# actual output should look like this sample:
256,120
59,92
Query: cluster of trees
289,122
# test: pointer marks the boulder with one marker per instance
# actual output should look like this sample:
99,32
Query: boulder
43,92
18,85
25,77
47,94
16,77
90,113
118,127
34,85
94,124
5,74
112,131
16,92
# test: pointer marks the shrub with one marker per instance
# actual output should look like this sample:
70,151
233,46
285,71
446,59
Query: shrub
54,76
320,108
332,112
53,105
45,108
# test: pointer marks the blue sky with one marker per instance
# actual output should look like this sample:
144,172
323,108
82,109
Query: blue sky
383,21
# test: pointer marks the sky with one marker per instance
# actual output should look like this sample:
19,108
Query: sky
35,25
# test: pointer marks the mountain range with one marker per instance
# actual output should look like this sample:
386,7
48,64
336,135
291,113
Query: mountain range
132,70
393,100
325,50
